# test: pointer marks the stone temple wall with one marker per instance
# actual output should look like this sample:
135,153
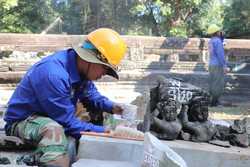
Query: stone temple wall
181,55
146,57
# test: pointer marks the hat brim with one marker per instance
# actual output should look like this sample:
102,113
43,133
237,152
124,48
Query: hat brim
89,56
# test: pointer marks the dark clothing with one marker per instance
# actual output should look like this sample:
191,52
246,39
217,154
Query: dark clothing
217,64
216,83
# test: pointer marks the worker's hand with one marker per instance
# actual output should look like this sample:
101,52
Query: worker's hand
226,70
107,130
117,109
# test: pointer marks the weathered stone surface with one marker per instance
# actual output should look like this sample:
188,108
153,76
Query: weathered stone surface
102,163
195,154
145,55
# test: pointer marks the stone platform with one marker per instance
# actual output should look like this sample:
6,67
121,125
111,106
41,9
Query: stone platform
195,154
101,151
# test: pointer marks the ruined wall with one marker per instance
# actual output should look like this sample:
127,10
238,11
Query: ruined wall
146,57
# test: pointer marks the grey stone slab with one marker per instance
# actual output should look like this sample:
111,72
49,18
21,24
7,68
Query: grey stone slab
102,148
195,154
102,163
16,166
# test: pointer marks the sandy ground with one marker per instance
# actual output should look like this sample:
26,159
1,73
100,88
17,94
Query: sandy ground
230,113
235,107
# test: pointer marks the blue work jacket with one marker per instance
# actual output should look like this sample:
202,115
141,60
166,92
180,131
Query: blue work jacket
216,52
52,88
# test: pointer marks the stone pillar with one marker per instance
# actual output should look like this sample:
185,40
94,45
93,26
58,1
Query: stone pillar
137,53
173,58
204,56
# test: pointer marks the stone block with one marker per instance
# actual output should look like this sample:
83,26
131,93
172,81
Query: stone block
195,154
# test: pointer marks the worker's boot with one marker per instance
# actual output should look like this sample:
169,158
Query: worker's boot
214,102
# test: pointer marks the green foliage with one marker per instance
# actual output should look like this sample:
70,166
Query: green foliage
74,16
179,31
180,18
25,15
7,4
185,18
7,21
210,12
237,19
11,23
88,15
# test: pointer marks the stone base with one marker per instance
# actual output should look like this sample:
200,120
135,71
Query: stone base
195,154
101,163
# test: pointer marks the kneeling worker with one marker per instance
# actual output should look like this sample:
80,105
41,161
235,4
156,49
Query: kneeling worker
42,109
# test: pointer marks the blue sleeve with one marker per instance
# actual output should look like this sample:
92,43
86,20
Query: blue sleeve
219,52
54,97
90,97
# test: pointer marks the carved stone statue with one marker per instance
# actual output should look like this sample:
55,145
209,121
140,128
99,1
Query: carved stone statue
162,110
172,96
198,109
194,118
165,124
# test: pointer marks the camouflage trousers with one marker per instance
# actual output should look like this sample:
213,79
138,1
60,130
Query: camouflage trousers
46,135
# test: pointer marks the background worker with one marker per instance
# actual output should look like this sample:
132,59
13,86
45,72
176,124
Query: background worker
217,64
42,109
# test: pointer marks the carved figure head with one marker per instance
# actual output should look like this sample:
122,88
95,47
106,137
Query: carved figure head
168,109
198,109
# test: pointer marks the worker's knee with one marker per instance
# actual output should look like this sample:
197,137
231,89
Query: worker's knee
53,142
58,161
52,134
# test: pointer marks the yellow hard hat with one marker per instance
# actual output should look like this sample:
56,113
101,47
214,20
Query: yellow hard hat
213,28
109,43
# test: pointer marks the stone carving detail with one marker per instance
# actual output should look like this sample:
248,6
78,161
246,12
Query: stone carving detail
180,110
166,100
164,122
194,118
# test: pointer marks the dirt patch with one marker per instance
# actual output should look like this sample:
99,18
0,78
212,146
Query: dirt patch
230,113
